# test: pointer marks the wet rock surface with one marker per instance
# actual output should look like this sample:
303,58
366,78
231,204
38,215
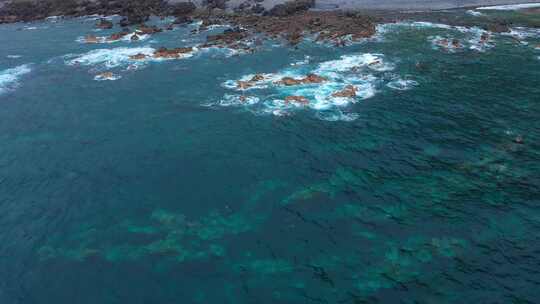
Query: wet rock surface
291,7
170,53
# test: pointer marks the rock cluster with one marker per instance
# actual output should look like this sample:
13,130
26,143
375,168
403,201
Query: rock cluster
328,26
309,79
291,8
171,53
348,92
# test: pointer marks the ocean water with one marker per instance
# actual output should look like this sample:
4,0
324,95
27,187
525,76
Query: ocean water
166,183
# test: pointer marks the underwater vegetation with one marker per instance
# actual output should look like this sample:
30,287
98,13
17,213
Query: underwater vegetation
168,234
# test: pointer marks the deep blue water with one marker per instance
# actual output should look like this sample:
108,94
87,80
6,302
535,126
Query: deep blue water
163,186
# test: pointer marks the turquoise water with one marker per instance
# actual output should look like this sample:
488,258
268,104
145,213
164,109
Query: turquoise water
166,186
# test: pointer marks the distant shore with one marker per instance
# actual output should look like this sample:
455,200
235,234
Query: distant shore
137,12
411,4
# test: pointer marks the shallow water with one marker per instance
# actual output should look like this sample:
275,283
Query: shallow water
164,187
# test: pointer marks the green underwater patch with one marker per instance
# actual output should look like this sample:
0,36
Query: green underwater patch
165,234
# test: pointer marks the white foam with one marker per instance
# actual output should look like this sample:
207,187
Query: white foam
54,18
445,43
402,84
337,116
302,62
510,7
477,43
9,78
13,56
350,62
523,33
237,100
98,17
104,76
474,13
423,24
104,39
111,58
319,95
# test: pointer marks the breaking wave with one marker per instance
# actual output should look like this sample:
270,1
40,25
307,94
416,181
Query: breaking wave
9,78
510,7
327,88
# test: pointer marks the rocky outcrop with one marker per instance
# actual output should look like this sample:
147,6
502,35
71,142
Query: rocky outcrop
291,7
348,92
328,26
171,53
229,36
148,30
134,12
213,4
117,36
138,57
91,39
182,9
301,100
309,79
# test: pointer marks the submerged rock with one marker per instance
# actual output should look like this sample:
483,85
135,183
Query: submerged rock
348,92
297,99
138,56
105,76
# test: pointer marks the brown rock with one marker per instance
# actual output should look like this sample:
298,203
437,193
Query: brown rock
105,75
148,30
137,57
228,37
289,81
117,36
348,92
244,85
257,78
91,39
171,53
484,37
313,78
297,99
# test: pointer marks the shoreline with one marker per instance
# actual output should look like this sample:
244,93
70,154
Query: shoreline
134,12
426,6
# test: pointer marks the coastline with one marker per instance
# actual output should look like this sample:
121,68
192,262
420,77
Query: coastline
406,5
137,12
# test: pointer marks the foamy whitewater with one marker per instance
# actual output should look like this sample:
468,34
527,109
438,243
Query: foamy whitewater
9,79
510,7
